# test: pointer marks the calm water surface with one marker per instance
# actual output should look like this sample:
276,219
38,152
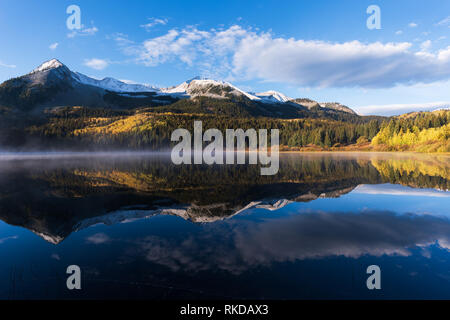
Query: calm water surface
140,227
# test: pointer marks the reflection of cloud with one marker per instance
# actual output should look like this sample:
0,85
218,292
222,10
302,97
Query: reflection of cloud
2,240
98,238
397,190
238,246
319,234
193,254
55,256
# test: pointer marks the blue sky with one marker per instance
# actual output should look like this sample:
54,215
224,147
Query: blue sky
317,49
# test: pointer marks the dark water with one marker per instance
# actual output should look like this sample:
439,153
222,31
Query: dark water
140,227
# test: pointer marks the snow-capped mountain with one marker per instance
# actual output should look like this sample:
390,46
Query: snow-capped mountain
207,87
52,84
51,64
220,89
113,84
106,83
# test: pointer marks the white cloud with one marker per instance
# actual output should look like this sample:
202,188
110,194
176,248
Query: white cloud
396,109
83,32
154,22
425,45
248,54
412,25
53,46
7,65
399,32
90,31
444,22
97,64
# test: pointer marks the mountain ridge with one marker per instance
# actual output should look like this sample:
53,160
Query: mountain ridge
52,83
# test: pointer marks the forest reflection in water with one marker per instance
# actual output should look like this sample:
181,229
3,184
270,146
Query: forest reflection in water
64,191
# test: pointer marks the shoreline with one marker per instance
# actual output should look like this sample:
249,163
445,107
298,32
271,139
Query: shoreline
69,153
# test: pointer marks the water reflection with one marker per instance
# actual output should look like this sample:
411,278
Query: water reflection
241,245
56,196
202,231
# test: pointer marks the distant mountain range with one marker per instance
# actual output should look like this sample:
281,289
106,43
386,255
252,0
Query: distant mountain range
54,84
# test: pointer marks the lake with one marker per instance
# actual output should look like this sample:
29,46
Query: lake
140,227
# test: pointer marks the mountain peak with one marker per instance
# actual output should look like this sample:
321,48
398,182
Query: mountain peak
47,65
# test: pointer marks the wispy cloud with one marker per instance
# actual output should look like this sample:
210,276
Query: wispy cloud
444,22
412,25
7,65
238,52
399,32
396,109
53,46
83,32
97,64
154,22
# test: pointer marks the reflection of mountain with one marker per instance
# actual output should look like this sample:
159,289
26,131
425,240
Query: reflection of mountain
56,198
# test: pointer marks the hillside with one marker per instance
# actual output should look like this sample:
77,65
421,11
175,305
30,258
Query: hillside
419,131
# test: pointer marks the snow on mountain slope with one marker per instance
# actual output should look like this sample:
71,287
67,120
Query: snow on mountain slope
207,87
272,96
51,64
113,84
59,70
